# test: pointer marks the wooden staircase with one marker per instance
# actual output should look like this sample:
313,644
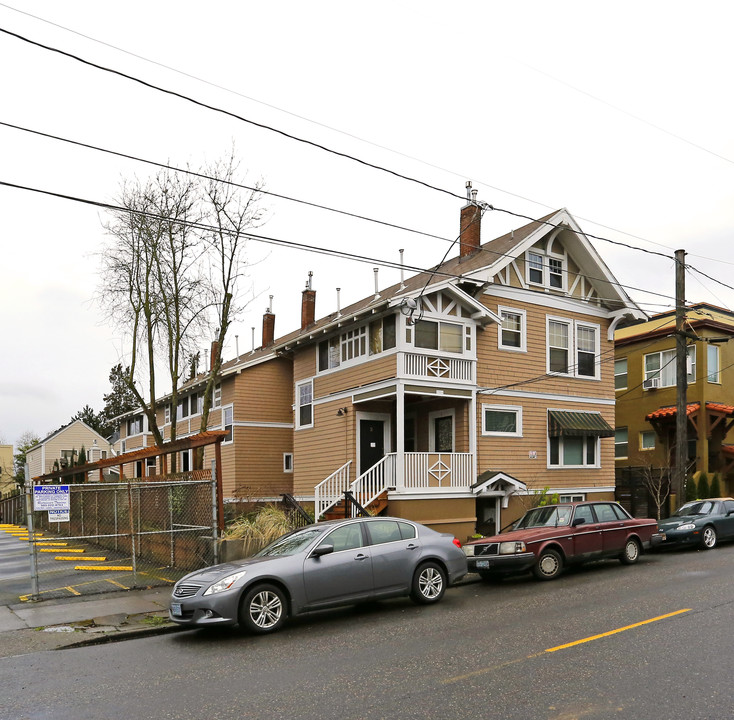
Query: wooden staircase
339,512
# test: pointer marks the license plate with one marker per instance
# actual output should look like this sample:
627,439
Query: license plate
482,564
176,609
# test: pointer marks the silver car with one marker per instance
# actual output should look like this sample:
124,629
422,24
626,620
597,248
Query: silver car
339,562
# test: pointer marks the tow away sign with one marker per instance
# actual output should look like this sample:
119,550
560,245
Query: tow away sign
51,497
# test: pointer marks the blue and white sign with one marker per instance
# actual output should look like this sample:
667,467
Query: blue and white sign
51,497
58,516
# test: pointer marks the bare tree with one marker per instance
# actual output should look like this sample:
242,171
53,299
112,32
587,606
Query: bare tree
231,212
657,482
151,282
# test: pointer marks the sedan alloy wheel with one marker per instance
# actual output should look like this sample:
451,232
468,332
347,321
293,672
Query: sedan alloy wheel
263,609
429,584
708,538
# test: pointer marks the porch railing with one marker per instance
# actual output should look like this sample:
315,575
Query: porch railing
433,366
423,471
331,490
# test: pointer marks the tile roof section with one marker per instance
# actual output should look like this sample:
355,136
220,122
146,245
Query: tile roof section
691,408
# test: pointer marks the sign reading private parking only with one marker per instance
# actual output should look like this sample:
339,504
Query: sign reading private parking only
51,497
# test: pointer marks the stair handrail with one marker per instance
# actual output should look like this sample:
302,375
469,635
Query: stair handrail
331,490
374,481
352,508
292,504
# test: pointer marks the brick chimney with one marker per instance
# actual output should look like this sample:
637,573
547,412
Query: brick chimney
308,304
470,225
268,325
213,354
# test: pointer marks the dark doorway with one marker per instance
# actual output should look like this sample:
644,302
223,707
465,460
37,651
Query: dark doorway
371,443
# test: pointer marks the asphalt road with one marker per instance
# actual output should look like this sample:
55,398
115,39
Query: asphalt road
486,651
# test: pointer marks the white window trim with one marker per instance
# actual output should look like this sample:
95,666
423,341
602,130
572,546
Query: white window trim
297,405
286,458
432,417
691,361
627,443
223,413
517,409
561,466
523,332
569,497
573,326
546,256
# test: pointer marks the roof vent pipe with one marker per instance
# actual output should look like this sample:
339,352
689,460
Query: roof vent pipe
252,328
468,190
338,302
402,271
377,292
237,346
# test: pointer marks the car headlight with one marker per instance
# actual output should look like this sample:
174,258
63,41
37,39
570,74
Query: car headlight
468,550
509,548
686,526
225,583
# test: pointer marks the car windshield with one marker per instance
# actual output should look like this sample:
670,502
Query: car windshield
700,507
545,516
290,544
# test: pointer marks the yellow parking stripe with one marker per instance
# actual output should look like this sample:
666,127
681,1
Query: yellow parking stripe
114,582
104,567
71,590
51,544
66,550
618,630
76,558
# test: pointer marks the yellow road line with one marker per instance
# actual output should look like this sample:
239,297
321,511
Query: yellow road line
75,558
618,630
104,567
508,663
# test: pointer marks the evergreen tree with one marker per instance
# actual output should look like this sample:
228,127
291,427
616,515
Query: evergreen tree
691,491
120,400
715,485
704,490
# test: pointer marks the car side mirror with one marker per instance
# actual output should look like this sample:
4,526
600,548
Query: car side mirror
578,521
322,550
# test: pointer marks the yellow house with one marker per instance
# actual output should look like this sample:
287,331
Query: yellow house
645,385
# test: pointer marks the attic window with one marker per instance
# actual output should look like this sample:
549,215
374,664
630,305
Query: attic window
545,269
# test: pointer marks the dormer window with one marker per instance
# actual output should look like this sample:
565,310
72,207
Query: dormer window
439,336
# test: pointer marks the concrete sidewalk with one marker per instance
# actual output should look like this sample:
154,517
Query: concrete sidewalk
71,622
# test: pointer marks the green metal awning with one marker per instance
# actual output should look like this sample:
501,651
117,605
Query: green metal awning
562,423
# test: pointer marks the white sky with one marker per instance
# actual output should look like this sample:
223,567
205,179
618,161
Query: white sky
542,105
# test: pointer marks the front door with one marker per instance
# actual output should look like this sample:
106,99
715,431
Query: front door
371,443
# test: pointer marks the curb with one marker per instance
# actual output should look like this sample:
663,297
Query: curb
121,635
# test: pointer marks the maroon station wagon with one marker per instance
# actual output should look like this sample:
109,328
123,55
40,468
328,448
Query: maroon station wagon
547,538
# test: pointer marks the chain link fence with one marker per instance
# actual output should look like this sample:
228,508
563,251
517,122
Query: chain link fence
125,535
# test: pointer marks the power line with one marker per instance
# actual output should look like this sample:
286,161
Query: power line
347,134
194,173
309,142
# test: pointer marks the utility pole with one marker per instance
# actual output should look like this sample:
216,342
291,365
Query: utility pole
681,371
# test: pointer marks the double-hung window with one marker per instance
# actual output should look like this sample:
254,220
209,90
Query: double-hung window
573,451
512,333
573,348
620,374
621,442
304,404
712,364
228,422
546,270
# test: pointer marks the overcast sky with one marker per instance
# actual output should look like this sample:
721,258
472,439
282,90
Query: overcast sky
621,112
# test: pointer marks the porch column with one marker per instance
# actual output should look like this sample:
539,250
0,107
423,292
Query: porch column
400,437
473,435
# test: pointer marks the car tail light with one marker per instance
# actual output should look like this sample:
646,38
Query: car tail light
457,543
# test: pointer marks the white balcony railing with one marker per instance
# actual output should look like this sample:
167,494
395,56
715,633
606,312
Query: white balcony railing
432,470
437,367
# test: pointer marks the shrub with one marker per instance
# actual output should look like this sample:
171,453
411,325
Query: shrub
260,527
691,492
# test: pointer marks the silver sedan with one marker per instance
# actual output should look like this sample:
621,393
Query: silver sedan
340,562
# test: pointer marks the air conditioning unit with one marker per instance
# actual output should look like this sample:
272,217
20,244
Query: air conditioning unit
651,383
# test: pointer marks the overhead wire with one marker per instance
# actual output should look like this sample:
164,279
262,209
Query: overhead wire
313,144
369,142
